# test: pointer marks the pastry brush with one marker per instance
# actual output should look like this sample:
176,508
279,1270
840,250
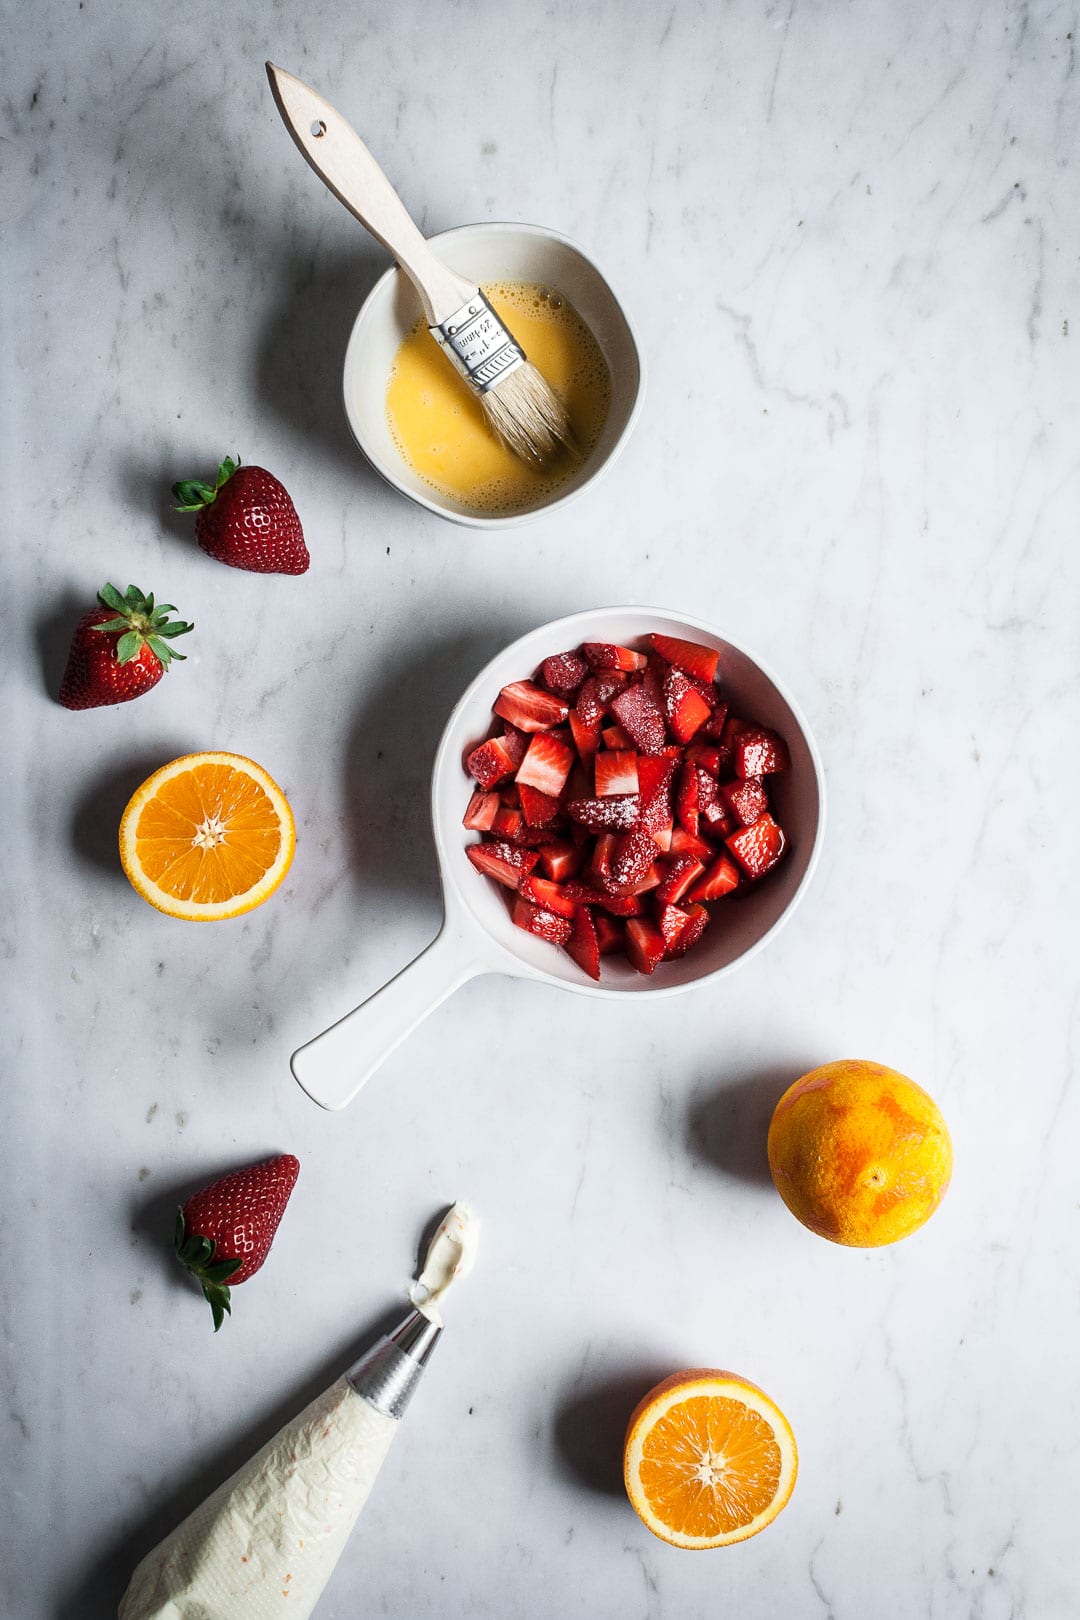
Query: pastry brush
520,405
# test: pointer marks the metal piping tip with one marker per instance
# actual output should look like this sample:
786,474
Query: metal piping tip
388,1373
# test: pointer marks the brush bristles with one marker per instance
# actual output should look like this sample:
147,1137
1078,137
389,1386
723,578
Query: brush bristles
528,416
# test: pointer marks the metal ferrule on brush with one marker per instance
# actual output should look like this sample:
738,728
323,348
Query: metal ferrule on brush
387,1374
478,344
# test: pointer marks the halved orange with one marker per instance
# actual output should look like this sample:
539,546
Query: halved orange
709,1459
209,836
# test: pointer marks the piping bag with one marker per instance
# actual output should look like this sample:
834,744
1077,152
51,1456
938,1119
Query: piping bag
268,1539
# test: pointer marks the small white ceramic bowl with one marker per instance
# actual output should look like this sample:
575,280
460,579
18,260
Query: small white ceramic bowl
488,253
478,935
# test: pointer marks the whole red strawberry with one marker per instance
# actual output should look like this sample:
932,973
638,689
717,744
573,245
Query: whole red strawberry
120,649
247,519
223,1234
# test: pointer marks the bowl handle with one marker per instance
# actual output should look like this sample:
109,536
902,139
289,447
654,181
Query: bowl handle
332,1067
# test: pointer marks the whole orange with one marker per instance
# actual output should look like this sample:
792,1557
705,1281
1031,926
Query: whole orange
859,1153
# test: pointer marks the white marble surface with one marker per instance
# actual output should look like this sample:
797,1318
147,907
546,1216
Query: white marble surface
849,237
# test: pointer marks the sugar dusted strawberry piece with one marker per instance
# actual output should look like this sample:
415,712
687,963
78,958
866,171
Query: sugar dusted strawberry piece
644,944
561,860
502,861
547,895
481,812
689,656
585,894
619,813
759,752
687,807
708,796
707,755
546,764
603,850
610,934
596,695
615,737
563,673
616,772
622,905
606,655
714,725
688,843
697,920
655,776
490,762
746,800
539,809
733,730
529,708
586,736
671,923
640,715
584,943
631,860
544,924
758,848
661,836
516,743
508,823
643,885
685,708
721,877
681,875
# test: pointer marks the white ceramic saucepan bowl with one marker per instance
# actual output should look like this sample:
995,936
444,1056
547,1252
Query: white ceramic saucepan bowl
478,935
487,253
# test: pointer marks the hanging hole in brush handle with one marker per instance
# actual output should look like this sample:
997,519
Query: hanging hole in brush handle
343,163
333,1067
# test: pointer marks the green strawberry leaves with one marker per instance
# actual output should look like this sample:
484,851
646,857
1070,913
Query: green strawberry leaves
196,1253
192,494
140,622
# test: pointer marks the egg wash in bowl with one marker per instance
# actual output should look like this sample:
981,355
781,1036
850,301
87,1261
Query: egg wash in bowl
439,427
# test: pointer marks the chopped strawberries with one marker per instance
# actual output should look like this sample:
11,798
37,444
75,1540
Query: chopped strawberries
681,875
760,753
622,799
502,862
645,945
545,924
539,809
633,856
603,655
746,801
584,942
758,848
490,762
618,812
561,860
547,895
482,810
616,772
564,673
641,717
529,707
720,879
688,656
684,706
546,764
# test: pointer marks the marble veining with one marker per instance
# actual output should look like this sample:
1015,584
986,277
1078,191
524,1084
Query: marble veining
848,236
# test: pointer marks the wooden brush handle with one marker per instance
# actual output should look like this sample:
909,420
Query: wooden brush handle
344,164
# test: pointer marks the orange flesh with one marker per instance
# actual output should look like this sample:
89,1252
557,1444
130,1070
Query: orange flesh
439,426
208,834
710,1465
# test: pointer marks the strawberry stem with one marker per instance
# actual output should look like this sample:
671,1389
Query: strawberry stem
192,494
140,623
196,1255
